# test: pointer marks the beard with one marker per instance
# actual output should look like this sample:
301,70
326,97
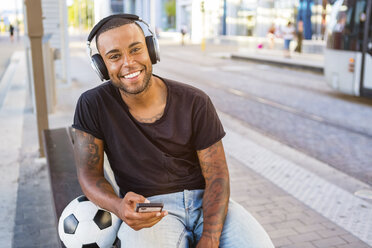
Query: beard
130,90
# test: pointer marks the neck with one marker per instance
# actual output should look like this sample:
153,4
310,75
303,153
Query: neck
154,94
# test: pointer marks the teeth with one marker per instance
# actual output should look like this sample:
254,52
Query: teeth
132,75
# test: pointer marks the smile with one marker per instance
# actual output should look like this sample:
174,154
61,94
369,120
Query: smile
132,75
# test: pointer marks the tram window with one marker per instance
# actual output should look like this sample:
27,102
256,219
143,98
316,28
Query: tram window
347,33
369,48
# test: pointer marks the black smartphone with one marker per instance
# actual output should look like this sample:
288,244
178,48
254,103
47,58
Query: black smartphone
149,207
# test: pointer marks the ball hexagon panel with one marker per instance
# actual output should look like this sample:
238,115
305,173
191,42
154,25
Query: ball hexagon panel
85,211
70,224
102,219
87,232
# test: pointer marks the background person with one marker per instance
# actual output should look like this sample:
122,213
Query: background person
163,141
300,36
183,33
271,36
11,32
288,35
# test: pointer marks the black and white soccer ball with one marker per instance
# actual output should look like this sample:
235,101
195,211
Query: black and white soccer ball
83,224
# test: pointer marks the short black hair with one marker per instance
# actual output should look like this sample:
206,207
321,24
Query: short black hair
114,23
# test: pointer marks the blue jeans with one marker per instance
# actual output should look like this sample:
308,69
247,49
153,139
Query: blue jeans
286,44
183,226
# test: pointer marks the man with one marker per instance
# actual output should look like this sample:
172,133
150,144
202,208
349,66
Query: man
163,142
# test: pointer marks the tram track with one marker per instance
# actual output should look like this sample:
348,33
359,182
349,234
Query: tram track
274,104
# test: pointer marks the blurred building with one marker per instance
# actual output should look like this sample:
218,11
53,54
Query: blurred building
210,18
152,11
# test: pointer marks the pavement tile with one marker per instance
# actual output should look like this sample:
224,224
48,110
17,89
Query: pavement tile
325,243
282,241
299,245
354,245
331,232
349,238
305,237
309,228
284,232
288,224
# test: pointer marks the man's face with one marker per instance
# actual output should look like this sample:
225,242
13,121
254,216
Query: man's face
125,54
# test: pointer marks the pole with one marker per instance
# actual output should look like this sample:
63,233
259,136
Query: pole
202,8
35,33
153,15
224,18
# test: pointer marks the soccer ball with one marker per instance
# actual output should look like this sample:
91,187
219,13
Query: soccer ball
83,224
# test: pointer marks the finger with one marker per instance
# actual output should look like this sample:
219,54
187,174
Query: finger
148,224
143,216
158,217
132,197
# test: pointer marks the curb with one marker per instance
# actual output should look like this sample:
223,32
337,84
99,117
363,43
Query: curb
309,66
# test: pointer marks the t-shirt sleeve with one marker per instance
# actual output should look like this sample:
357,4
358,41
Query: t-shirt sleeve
86,117
207,127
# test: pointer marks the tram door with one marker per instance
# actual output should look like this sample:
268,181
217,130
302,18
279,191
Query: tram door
367,77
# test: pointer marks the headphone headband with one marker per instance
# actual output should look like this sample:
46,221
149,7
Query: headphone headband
106,19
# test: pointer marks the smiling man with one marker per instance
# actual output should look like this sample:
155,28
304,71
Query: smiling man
163,141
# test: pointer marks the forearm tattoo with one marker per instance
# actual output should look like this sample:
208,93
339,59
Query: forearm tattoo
87,150
217,191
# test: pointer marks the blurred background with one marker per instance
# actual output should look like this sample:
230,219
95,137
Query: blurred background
290,79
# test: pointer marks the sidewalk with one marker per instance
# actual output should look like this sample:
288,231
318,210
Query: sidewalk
300,201
311,62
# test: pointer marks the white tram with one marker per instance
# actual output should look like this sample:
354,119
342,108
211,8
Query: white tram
348,55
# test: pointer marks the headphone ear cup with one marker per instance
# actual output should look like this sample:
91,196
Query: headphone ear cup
99,66
152,49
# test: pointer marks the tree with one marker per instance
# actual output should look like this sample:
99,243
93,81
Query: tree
170,11
81,14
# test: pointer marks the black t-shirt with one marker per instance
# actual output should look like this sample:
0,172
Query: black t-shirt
152,158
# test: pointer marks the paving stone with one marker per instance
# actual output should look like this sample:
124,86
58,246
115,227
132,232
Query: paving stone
305,237
349,238
309,228
325,243
331,232
354,245
279,242
284,232
288,224
299,245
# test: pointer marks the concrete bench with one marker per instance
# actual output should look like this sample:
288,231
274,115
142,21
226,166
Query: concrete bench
58,147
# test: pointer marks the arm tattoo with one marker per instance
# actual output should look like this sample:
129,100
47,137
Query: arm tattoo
217,190
87,149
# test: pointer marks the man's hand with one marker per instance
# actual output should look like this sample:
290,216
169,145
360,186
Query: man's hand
136,220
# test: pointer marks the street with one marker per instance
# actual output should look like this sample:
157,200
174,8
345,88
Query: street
294,107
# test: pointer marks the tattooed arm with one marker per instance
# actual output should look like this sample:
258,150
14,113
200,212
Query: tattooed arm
216,195
89,162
